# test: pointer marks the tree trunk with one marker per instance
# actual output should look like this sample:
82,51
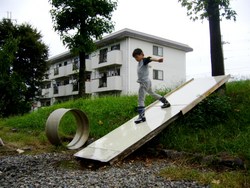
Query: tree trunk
217,60
82,75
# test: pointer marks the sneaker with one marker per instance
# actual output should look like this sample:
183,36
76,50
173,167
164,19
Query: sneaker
166,105
140,120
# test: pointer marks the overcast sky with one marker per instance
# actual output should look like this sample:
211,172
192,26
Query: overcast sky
163,18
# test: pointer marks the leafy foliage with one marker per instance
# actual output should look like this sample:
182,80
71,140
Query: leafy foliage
79,23
211,111
23,65
212,10
225,128
199,9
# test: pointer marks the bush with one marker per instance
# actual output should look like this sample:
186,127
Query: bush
213,110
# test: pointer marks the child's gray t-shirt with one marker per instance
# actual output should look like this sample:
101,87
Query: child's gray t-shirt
143,70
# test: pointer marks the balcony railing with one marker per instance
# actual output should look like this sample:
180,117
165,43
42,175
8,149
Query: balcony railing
88,65
46,93
88,87
68,70
114,83
113,58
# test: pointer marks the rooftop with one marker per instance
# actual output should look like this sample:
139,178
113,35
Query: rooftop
129,33
124,33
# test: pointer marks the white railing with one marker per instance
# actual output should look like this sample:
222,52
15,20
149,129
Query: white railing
114,83
114,57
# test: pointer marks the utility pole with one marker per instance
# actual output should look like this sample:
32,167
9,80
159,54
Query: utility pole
9,15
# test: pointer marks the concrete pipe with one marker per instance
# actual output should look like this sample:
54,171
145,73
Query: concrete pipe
82,132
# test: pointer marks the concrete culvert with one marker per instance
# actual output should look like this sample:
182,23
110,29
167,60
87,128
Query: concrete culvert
82,130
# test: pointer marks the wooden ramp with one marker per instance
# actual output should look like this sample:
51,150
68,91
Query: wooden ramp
125,139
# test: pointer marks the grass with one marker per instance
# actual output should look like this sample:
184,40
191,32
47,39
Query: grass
207,177
104,114
218,125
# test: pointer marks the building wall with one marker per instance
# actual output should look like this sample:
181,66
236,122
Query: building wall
124,83
173,66
112,68
58,86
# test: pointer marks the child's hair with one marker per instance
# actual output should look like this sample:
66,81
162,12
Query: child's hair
137,51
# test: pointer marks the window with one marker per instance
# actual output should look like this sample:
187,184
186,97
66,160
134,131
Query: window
75,86
157,74
88,77
56,71
65,63
55,89
66,82
74,82
158,51
76,60
75,64
103,80
113,72
87,56
103,55
115,47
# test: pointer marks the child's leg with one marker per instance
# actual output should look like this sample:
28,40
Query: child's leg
141,104
151,92
157,96
141,95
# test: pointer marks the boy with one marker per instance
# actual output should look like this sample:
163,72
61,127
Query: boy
145,83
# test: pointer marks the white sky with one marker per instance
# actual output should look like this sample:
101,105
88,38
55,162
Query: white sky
163,18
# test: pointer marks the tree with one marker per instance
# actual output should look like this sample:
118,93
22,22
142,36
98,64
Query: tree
79,23
33,55
213,10
23,63
9,85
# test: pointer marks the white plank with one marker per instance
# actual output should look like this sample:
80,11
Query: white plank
127,135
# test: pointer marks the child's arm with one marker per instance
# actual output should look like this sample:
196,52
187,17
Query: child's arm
160,60
149,59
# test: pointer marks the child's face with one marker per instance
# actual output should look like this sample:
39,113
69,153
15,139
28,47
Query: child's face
138,58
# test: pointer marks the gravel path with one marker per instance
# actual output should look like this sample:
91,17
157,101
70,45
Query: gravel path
43,171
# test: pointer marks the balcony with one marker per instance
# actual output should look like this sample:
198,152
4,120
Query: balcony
47,93
114,83
88,87
88,65
73,68
114,57
65,90
61,90
68,70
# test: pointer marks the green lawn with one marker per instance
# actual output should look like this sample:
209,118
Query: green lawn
218,125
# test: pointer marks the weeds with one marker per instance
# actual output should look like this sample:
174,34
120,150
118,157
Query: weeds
206,177
219,124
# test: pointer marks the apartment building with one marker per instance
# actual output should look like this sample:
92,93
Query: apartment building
111,69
